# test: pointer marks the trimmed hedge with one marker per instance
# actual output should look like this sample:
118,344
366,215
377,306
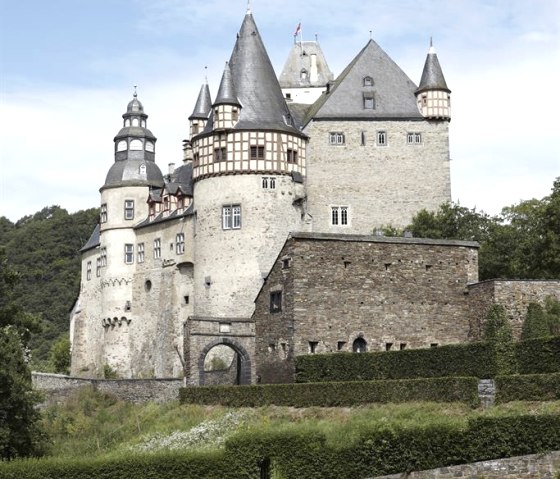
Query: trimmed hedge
332,394
538,356
529,387
481,360
305,454
474,359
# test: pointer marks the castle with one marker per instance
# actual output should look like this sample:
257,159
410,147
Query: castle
255,248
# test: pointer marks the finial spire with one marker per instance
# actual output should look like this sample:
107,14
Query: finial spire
206,74
248,6
371,34
135,94
432,49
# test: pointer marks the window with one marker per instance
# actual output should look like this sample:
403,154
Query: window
121,145
303,74
292,156
234,114
128,253
180,243
268,183
340,345
313,346
157,248
276,301
140,253
135,122
339,215
149,146
414,138
368,81
128,209
231,217
220,154
402,346
225,327
166,203
103,213
369,101
336,138
88,270
363,138
196,159
381,138
388,346
136,145
257,152
98,267
195,128
103,256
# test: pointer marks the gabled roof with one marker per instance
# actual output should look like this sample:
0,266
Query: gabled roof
432,75
393,90
299,59
262,104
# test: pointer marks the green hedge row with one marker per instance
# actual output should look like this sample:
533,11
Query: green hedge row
474,359
332,394
529,387
305,454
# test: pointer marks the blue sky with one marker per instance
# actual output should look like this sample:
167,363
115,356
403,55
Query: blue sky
67,68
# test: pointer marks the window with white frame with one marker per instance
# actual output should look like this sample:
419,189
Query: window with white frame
368,81
103,213
180,243
382,138
103,256
268,182
140,253
339,215
157,248
128,253
88,270
128,209
369,101
231,217
98,267
414,138
336,138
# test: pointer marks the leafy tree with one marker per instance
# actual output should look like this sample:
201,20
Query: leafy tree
59,356
20,433
535,324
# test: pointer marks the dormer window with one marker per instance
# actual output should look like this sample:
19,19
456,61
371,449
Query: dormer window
121,145
149,146
136,145
368,81
303,74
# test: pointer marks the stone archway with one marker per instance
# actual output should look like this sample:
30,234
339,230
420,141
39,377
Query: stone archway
241,359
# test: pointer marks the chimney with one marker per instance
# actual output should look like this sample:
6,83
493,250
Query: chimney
171,168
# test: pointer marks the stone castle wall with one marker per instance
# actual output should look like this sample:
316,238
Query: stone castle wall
514,295
534,466
392,293
381,185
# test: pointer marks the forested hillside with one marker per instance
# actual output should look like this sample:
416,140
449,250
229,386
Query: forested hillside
44,250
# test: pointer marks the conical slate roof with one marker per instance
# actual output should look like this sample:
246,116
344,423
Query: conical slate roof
256,86
203,104
432,75
392,89
226,92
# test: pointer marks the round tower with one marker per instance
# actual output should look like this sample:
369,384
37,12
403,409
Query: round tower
433,96
248,172
123,205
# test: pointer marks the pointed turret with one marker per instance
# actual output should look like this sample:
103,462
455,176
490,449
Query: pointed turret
226,107
433,96
199,116
134,151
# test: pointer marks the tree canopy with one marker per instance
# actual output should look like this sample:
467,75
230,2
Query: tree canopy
522,242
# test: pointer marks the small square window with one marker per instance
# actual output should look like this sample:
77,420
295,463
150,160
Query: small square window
369,101
186,298
313,346
402,346
257,152
340,345
336,138
414,138
388,346
276,301
220,154
292,156
225,327
381,138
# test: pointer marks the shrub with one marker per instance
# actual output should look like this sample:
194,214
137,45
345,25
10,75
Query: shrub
331,394
531,387
538,356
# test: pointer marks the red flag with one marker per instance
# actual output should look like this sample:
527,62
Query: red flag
298,28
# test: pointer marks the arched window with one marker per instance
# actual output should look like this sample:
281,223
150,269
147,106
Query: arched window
368,81
126,122
143,123
136,145
359,345
135,122
121,145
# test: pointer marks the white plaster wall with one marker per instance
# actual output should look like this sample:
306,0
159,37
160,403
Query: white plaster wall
235,261
381,185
